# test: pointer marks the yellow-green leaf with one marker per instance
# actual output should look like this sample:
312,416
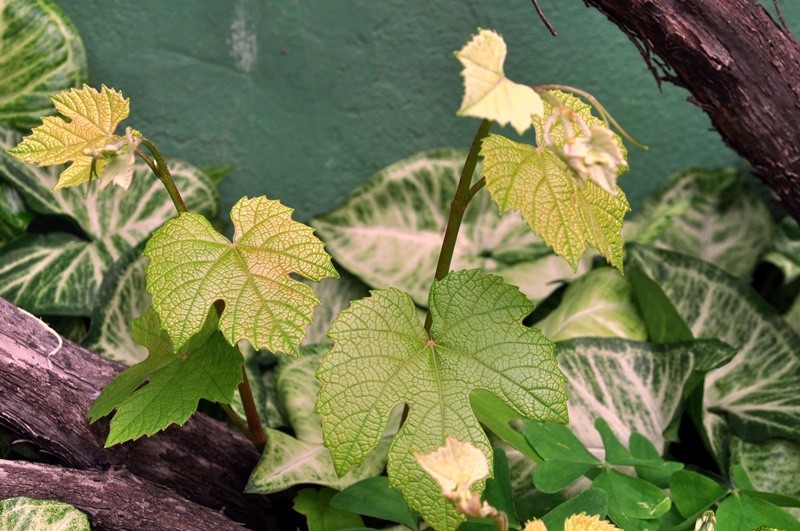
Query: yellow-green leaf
90,118
566,213
382,357
192,266
488,93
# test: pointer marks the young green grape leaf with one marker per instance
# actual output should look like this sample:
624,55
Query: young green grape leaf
90,119
192,266
290,460
60,273
41,53
206,367
598,304
389,232
320,515
28,513
488,93
383,357
566,213
757,394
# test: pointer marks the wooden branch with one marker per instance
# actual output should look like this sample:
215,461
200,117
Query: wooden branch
45,399
741,68
113,499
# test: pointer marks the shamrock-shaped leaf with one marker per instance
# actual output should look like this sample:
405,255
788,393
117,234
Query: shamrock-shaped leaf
488,93
206,367
192,266
566,213
82,138
383,357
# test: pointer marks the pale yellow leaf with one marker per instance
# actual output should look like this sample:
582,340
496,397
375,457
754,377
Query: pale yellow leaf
488,93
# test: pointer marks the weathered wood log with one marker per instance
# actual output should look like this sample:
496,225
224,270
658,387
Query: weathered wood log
45,398
741,68
113,499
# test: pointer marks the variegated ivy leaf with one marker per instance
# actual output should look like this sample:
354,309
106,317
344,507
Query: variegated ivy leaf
634,386
390,231
383,357
716,216
488,93
60,273
121,298
166,388
192,266
41,53
291,460
785,252
14,215
772,466
28,513
566,213
757,394
87,129
599,304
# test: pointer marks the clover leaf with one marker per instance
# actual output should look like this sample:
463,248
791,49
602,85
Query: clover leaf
382,357
192,266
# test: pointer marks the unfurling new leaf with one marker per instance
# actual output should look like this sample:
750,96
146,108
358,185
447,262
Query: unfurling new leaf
488,93
192,266
382,357
83,137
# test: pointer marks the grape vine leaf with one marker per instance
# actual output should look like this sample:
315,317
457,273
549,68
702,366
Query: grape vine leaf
383,357
206,367
92,118
488,93
566,213
192,266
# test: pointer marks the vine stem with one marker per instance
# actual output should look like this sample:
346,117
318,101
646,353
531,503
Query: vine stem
254,431
457,208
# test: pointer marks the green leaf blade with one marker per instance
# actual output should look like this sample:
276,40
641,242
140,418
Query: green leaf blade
192,266
28,513
382,357
566,214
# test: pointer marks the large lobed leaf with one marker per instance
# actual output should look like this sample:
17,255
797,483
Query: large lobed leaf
383,357
90,119
488,93
303,459
758,392
390,230
566,213
60,273
714,215
40,53
207,367
192,266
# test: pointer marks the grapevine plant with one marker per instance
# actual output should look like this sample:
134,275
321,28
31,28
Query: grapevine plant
212,295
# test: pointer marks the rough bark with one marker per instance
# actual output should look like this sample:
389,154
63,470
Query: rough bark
741,68
45,399
113,499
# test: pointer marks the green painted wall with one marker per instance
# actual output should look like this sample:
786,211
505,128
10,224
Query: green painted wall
307,98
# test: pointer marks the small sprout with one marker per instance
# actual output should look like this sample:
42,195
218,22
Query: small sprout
456,467
595,154
707,522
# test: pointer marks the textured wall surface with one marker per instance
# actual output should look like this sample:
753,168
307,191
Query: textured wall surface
308,98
